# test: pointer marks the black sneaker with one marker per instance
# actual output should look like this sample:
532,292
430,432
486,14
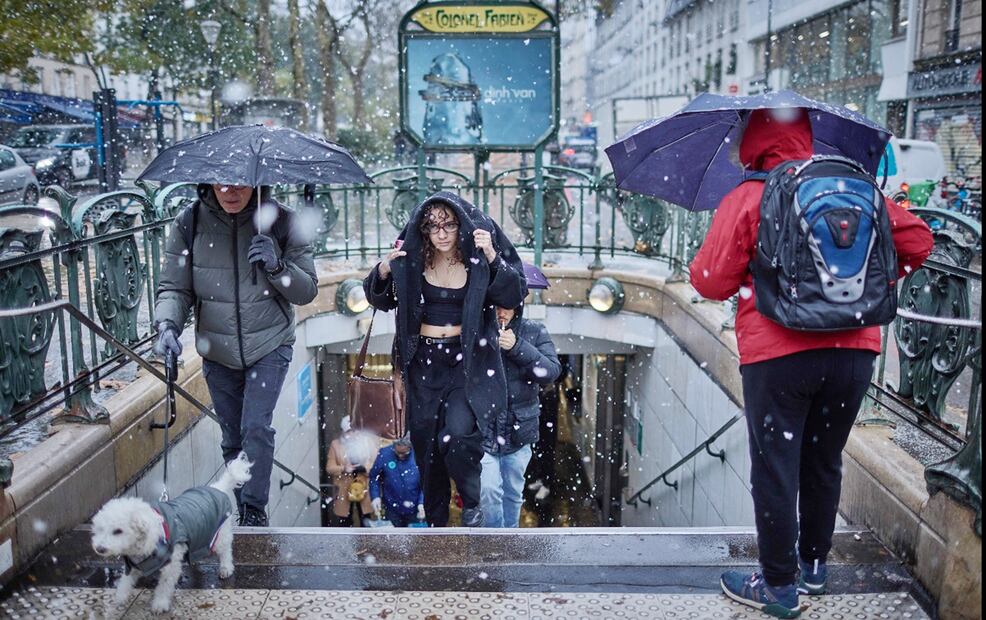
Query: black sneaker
253,517
473,517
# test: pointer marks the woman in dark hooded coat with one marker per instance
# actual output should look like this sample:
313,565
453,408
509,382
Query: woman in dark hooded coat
452,269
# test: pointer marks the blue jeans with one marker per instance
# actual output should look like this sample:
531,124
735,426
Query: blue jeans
502,493
244,401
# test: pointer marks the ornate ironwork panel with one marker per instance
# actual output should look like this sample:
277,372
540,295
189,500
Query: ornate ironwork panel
961,476
24,341
120,278
956,235
558,211
932,355
406,198
697,224
648,220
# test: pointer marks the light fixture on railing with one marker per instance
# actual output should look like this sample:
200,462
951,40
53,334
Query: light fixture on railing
606,296
350,297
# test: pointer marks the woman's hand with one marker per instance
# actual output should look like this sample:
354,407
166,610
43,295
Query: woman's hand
384,267
484,242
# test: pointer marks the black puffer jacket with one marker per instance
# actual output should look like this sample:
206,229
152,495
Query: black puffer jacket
531,363
500,284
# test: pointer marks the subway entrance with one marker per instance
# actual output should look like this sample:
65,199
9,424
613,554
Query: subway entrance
575,477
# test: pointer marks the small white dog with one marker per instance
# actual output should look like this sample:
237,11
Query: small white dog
156,538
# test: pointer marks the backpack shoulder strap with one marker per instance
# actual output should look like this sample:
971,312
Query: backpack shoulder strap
281,227
188,221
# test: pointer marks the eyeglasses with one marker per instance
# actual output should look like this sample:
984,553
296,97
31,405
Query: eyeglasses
433,229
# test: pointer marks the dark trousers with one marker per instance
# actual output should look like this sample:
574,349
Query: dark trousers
244,401
446,438
800,409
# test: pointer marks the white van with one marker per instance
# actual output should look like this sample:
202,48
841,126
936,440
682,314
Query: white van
911,161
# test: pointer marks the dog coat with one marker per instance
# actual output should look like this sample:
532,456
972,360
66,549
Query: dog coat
193,519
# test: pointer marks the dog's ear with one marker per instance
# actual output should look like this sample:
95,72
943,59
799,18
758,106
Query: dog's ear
138,524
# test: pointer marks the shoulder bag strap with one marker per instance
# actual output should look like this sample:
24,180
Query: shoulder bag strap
361,358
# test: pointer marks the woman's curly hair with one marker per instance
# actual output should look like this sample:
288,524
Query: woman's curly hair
437,213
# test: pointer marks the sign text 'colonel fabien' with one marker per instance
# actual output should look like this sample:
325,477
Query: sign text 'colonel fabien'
463,19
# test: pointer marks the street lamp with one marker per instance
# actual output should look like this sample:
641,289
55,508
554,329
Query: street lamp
350,298
606,296
210,32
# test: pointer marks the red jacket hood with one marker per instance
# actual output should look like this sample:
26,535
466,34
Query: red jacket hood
768,142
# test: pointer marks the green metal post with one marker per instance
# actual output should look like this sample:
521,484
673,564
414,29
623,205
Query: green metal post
422,176
538,205
597,261
80,407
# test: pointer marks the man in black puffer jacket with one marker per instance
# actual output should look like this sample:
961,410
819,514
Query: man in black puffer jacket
530,361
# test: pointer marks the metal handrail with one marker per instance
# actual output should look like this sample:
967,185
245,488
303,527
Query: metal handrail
705,446
79,315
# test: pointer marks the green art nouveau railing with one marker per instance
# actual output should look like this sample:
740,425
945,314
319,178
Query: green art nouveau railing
103,255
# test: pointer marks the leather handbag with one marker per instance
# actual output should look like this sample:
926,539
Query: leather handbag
376,405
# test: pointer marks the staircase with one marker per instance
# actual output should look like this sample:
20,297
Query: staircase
576,573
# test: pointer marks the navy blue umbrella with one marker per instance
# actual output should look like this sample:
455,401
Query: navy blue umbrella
535,277
687,158
255,155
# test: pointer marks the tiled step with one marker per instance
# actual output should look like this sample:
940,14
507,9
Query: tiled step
53,602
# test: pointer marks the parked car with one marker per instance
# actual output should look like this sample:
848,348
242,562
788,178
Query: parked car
577,153
912,164
39,145
17,181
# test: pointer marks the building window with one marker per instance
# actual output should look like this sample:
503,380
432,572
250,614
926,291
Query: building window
898,15
954,26
733,59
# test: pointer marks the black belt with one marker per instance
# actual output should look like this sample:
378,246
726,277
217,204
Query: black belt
430,341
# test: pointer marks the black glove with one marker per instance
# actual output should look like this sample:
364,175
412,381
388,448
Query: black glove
167,340
263,252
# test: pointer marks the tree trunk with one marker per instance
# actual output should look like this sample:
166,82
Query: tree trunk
299,85
327,42
357,71
264,48
359,99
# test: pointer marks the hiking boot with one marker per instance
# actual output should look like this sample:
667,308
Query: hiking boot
813,578
753,591
253,517
473,517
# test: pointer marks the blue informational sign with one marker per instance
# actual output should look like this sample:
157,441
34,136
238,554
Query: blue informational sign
306,390
473,92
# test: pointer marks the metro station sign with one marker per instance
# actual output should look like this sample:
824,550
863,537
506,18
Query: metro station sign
479,75
479,18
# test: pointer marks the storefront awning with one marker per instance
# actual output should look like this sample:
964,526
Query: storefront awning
894,57
34,108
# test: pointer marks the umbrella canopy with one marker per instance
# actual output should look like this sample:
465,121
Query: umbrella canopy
535,277
687,158
255,155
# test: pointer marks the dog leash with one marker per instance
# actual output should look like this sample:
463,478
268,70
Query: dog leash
170,374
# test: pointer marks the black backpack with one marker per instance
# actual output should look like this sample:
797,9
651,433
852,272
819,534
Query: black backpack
825,256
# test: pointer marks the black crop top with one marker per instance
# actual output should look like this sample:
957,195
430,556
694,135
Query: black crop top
442,306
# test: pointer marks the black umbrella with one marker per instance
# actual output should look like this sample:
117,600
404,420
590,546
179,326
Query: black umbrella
255,155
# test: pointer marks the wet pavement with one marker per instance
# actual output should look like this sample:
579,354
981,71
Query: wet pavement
519,573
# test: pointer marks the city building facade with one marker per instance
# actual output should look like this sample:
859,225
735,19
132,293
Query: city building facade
828,50
946,82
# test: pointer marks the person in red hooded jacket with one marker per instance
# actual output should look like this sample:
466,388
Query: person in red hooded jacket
802,390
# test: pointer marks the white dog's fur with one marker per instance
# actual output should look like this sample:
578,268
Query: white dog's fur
130,527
